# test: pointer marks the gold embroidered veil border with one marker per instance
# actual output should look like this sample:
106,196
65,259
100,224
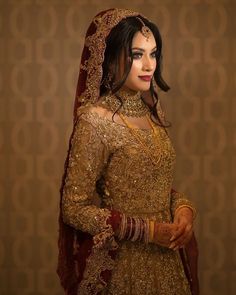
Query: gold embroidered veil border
90,75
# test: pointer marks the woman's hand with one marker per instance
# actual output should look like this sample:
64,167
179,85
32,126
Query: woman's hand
163,233
184,220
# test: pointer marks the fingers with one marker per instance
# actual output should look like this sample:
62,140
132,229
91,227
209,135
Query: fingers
163,233
178,232
183,239
172,236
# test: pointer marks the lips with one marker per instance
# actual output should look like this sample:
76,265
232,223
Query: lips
145,78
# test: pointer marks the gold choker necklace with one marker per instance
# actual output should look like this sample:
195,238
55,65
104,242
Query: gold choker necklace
127,103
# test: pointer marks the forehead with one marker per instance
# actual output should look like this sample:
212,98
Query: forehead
141,41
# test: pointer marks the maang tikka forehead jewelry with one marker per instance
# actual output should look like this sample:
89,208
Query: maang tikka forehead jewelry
145,30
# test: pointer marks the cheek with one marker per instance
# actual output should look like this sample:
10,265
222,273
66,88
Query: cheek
135,69
155,63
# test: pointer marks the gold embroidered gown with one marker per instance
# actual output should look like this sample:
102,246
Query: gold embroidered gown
108,153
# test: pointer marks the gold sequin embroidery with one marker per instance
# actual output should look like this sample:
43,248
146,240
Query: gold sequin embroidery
102,149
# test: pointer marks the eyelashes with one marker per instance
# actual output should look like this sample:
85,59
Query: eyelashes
138,55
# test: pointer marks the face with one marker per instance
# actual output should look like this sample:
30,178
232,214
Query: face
144,63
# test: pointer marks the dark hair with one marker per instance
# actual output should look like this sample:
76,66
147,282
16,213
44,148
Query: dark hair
120,41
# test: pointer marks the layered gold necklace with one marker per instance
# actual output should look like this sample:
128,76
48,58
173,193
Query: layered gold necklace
126,102
155,159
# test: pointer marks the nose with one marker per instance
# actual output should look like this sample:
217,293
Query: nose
148,64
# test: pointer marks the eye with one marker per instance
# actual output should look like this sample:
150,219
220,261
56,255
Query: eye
154,54
137,55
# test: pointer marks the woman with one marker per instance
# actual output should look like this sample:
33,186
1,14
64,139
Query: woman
121,223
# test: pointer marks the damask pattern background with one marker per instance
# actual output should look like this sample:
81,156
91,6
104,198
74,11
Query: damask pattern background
40,48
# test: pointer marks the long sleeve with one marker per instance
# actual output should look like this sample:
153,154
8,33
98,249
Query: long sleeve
180,200
87,159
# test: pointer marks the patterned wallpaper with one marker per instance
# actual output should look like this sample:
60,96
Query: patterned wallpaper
40,47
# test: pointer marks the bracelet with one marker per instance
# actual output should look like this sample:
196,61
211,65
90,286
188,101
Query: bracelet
129,228
146,233
135,229
123,227
187,206
151,232
141,236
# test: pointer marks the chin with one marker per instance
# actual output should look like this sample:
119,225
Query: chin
140,87
144,88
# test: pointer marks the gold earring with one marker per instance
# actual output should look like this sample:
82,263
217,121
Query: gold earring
108,81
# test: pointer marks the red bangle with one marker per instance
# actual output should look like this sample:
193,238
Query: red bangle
114,220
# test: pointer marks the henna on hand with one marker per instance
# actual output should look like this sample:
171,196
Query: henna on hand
184,220
163,233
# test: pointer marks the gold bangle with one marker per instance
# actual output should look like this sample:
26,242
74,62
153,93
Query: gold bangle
151,231
187,206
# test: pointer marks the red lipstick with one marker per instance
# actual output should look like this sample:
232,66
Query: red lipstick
145,78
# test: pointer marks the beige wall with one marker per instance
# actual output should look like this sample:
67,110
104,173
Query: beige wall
40,47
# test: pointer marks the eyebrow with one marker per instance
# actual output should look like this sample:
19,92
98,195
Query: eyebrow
141,49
